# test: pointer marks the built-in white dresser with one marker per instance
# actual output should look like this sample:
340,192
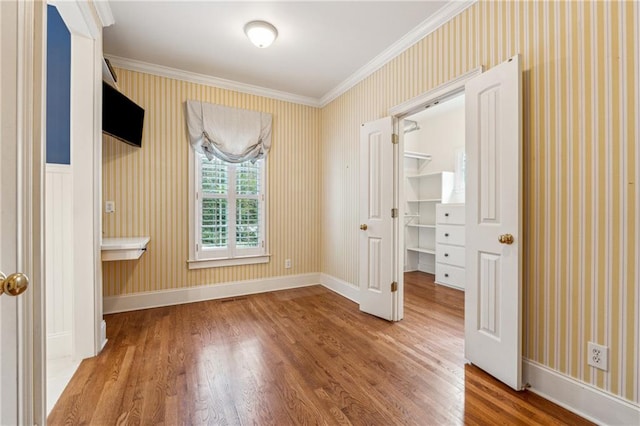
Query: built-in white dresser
450,245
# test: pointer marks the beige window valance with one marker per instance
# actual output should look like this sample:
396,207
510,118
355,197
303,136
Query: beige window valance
231,134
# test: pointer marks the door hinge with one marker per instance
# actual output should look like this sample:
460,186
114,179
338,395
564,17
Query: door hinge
394,212
394,287
395,139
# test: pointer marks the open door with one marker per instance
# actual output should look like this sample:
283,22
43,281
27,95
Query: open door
493,298
21,344
376,224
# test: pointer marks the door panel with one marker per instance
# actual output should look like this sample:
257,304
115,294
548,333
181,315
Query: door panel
376,224
493,298
8,212
21,393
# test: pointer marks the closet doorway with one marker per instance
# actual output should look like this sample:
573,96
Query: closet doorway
434,191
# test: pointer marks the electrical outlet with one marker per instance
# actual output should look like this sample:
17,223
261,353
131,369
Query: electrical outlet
287,263
598,356
109,206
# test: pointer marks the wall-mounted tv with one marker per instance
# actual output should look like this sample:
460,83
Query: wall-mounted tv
121,117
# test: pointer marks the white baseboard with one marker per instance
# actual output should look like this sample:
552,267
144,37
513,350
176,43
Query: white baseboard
59,345
341,287
156,299
103,334
581,398
429,268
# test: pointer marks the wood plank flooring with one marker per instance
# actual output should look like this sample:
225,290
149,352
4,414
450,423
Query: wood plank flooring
303,356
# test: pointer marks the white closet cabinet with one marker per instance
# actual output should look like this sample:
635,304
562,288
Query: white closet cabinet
423,190
450,240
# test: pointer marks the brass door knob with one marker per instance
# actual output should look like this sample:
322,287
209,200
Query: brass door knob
14,284
506,239
364,226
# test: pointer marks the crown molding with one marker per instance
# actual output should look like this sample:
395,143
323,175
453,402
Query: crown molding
192,77
442,16
429,25
104,12
79,17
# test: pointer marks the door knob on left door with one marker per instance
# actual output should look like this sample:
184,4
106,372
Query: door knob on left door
505,239
14,284
364,226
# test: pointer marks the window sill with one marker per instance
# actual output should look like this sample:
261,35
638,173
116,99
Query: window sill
226,261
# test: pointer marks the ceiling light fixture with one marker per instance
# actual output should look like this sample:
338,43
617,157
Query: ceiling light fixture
261,33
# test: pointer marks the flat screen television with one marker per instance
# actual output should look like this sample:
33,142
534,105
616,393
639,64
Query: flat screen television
121,117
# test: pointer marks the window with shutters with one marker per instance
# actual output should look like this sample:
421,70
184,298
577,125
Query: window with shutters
228,220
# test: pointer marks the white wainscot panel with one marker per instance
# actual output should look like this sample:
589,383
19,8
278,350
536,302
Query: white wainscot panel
59,259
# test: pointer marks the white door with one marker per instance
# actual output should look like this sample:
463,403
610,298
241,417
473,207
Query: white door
376,224
493,297
20,387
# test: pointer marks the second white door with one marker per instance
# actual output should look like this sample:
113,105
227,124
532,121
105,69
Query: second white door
376,224
493,297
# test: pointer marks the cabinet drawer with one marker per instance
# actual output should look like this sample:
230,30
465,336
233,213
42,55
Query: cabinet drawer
450,275
450,234
450,214
453,255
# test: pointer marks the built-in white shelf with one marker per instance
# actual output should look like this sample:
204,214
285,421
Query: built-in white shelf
411,215
427,200
127,248
420,225
422,250
417,155
423,175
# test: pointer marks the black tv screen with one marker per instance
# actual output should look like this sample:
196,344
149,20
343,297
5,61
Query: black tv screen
121,117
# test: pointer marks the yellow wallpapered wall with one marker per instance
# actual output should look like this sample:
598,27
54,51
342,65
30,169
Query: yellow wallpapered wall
581,168
149,186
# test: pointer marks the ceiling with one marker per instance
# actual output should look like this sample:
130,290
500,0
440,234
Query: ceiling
320,44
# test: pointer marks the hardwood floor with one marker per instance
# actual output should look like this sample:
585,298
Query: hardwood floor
303,356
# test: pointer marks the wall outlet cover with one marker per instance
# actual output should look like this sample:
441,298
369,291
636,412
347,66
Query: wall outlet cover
598,356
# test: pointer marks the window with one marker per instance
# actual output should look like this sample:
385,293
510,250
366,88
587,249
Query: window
228,213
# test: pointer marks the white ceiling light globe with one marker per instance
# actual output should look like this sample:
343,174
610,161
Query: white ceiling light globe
261,33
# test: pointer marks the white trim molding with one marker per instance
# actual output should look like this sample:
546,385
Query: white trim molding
426,27
103,9
579,397
192,77
437,94
156,299
343,288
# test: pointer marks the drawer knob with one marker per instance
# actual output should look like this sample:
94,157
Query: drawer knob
446,215
446,234
446,275
446,255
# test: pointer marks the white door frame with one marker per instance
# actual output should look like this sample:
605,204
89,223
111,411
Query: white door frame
399,112
85,25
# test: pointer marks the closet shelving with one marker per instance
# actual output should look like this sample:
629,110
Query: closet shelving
423,190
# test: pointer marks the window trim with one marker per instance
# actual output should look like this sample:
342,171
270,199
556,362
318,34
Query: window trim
246,256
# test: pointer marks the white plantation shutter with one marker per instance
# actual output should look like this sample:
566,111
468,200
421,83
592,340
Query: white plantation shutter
248,205
231,219
214,190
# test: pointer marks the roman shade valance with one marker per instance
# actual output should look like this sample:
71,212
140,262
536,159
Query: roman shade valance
231,134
